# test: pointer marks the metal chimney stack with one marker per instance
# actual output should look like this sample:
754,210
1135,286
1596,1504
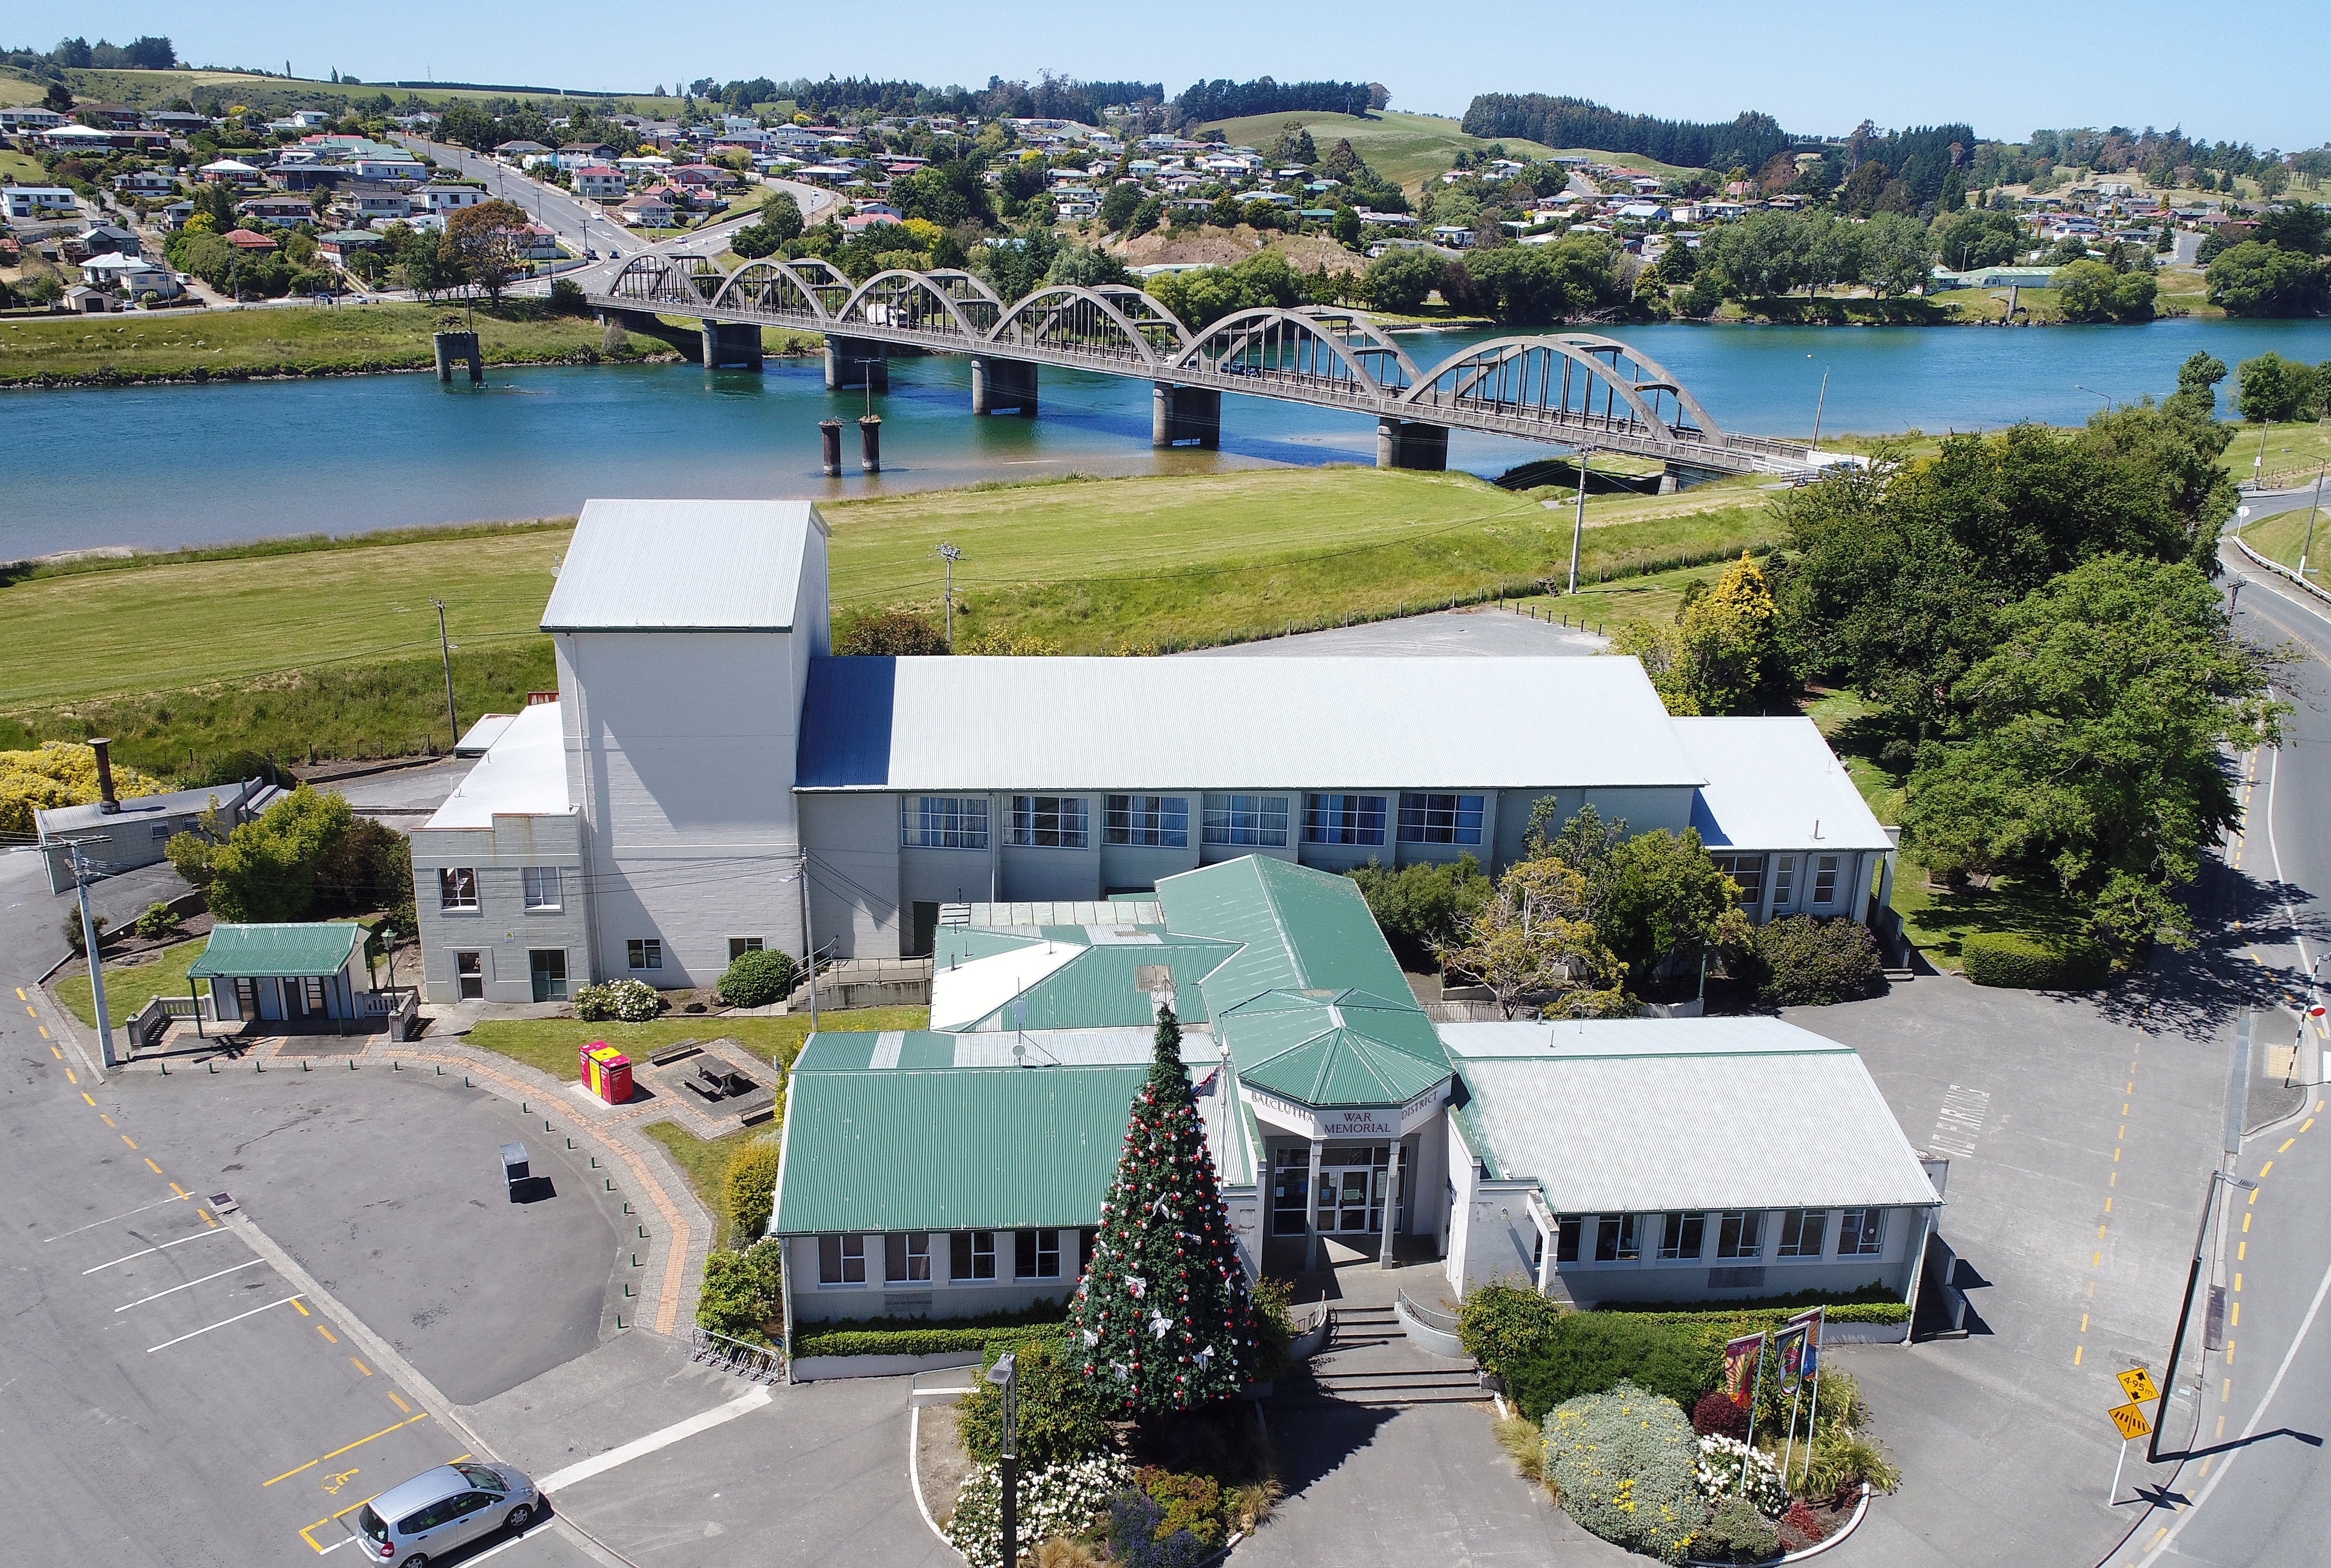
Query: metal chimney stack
106,800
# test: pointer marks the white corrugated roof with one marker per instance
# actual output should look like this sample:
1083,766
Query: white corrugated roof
1230,723
682,566
1639,1116
522,774
1773,784
964,993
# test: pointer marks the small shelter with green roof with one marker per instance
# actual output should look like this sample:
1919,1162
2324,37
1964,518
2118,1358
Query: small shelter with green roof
294,972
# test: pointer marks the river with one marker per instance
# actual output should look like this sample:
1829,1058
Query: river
184,465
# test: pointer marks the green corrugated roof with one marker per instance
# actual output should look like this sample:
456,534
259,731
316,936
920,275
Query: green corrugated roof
1100,987
255,952
961,944
987,1149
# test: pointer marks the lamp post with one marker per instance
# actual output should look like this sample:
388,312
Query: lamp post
951,554
1003,1374
2311,512
1578,529
1819,403
2092,392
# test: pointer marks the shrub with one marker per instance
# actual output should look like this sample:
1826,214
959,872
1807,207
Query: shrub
1717,1414
1068,1499
1276,1325
1502,1326
57,772
1059,1418
1804,1522
1133,1521
1802,961
1423,907
567,296
743,1292
757,979
156,922
892,631
1591,1352
1625,1463
1721,1460
934,1339
752,1182
1736,1533
72,929
2020,961
617,1001
1842,1458
1192,1503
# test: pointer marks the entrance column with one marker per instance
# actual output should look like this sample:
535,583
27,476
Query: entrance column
1311,1208
1387,1258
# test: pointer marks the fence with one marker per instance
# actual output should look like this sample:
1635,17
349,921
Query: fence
754,1362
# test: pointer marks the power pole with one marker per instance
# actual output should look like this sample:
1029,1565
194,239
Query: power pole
2311,511
951,555
1578,529
84,874
809,942
445,650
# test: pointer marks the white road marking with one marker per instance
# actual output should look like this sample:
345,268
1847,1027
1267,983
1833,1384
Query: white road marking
190,1284
93,1224
1961,1121
599,1464
150,1251
238,1317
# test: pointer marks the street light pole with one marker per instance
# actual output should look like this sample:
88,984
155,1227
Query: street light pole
1003,1375
2311,512
445,650
1819,403
1578,529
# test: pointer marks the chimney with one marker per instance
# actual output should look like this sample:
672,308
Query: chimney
106,800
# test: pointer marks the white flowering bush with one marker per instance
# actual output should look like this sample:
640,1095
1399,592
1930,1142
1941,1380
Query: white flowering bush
1624,1462
1068,1499
621,1001
1721,1460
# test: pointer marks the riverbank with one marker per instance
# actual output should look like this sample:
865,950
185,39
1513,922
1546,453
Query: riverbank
331,647
300,341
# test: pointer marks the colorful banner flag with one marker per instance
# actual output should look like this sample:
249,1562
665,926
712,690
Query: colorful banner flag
1741,1357
1812,1319
1789,1339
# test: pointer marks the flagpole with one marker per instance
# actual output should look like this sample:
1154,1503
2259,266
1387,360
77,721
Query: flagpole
1764,1339
1813,1410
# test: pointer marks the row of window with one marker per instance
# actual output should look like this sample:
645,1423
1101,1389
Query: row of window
647,952
457,889
1682,1236
971,1256
1748,871
1163,821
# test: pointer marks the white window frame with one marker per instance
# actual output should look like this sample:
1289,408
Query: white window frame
1146,822
740,945
1785,880
1626,1238
457,889
1440,817
643,953
1798,1221
1343,819
1866,1227
943,822
838,1255
1031,1244
1246,821
972,1255
1825,880
906,1257
1747,874
545,889
1069,825
1740,1233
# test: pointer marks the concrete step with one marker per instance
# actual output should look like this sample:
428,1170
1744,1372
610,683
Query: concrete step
1388,1388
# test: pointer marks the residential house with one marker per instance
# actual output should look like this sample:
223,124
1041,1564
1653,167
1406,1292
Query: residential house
230,171
599,183
308,972
124,834
646,211
444,198
146,182
131,275
245,240
339,245
28,118
286,209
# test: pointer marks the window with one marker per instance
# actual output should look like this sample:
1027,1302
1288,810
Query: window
1255,820
740,945
944,821
842,1259
469,976
1862,1233
457,887
1748,872
548,967
1785,880
1087,1239
1615,1241
542,889
973,1255
1741,1234
1049,821
1566,1237
644,953
1803,1232
1433,819
1343,819
1680,1236
907,1256
163,831
1824,879
1036,1255
1153,822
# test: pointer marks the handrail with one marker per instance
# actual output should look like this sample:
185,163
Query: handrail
754,1362
1431,1317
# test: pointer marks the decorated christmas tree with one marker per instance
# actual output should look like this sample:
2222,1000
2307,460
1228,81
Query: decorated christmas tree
1163,1319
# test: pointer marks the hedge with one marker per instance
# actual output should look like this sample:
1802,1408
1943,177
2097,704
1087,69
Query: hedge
1866,1304
2023,961
1591,1352
922,1336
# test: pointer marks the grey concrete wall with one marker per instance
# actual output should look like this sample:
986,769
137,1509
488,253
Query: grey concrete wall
501,930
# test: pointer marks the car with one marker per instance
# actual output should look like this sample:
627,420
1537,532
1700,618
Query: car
185,280
416,1522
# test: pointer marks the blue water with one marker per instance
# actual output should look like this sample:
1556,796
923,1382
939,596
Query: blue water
175,465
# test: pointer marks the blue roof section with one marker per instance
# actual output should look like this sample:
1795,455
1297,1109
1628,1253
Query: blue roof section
845,734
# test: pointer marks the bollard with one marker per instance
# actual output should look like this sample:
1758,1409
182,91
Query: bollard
526,1107
869,443
352,1064
303,1064
547,1127
611,1184
643,1232
570,1142
627,1207
594,1162
627,1290
619,1320
213,1066
635,1260
828,440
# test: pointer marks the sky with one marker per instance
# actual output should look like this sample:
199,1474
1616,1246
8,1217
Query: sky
1817,69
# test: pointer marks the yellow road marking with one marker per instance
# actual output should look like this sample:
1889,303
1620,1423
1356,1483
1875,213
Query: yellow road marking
2229,1352
2097,1260
319,1523
2124,1131
29,1007
2163,1530
2226,1392
84,1095
336,1453
2100,1230
2221,1427
2307,1124
2238,1278
2076,1353
20,994
2254,1192
2107,1206
2241,1250
303,1312
397,1401
125,1137
53,1049
70,1077
2285,1145
44,1034
206,1219
2116,1156
2206,1464
325,1332
2084,1322
2234,1319
2246,1224
2123,1108
2265,1168
180,1191
360,1366
101,1115
150,1165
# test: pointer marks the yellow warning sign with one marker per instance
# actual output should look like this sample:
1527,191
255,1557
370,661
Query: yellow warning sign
2138,1384
2130,1419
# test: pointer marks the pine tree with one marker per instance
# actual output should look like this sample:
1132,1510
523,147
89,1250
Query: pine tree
1162,1318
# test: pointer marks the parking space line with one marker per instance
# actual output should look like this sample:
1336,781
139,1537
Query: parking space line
319,1523
624,1454
360,1366
125,1215
190,1284
336,1453
397,1401
238,1317
150,1251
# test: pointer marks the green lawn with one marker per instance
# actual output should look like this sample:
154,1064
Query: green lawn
1409,149
292,340
555,1045
2292,452
154,88
20,169
130,987
705,1162
2284,536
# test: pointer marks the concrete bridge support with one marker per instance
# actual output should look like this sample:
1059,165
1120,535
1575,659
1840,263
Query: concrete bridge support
1003,385
1407,444
458,347
1184,413
854,362
731,344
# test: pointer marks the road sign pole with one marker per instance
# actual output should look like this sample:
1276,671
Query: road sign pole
2114,1496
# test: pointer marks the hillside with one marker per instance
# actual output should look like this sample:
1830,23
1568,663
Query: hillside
1405,148
1304,252
153,89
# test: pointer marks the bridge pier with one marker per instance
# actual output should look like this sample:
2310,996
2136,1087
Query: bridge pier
454,348
1184,413
1003,385
1408,443
853,362
731,344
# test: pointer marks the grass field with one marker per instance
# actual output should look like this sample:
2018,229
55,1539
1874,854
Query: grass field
292,340
1410,148
130,987
705,1162
145,88
554,1045
22,170
2292,452
2284,536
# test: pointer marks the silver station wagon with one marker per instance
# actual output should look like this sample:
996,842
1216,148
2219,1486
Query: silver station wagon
419,1521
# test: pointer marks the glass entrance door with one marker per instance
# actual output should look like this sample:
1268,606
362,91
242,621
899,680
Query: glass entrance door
1351,1199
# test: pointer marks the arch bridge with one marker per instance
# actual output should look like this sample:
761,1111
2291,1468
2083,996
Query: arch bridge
1577,389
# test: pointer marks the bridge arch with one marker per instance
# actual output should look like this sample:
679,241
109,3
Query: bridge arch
908,301
773,286
1528,378
1662,377
1071,315
1295,349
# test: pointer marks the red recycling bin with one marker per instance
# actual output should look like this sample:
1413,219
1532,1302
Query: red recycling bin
607,1072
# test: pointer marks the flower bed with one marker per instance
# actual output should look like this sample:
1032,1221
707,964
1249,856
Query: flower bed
1625,1465
1070,1499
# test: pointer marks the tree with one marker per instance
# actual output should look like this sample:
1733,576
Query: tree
2097,727
1424,907
265,870
1145,216
2197,386
2255,279
1535,938
1118,207
1344,226
779,226
1398,280
1898,254
1659,651
1730,658
2275,390
2095,291
1086,266
1163,1317
1665,896
58,99
482,243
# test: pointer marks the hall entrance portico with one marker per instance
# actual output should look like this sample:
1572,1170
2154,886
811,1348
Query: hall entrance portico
1353,1181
